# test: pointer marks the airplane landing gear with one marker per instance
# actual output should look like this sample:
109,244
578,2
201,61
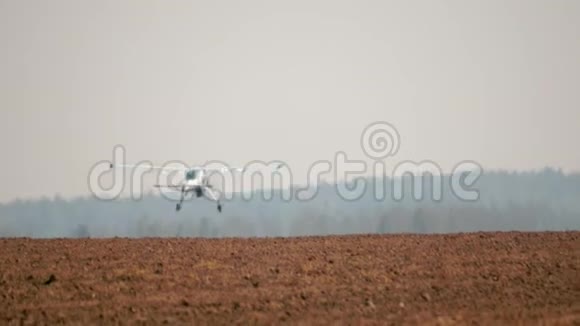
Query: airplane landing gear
178,206
204,191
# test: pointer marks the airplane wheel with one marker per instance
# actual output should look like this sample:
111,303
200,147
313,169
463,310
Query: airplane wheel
219,207
178,207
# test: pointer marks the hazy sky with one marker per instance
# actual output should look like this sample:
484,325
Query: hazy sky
493,81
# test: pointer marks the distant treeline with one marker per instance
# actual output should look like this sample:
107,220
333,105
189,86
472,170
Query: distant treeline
530,201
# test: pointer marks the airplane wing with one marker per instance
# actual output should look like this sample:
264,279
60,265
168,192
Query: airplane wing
168,169
175,187
224,170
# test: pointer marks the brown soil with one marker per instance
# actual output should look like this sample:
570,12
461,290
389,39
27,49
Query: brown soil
442,279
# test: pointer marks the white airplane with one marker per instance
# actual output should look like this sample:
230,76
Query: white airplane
195,181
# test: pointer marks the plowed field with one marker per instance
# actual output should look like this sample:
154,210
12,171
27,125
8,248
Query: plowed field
433,279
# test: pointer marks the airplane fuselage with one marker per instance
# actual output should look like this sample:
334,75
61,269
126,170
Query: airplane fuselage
194,182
